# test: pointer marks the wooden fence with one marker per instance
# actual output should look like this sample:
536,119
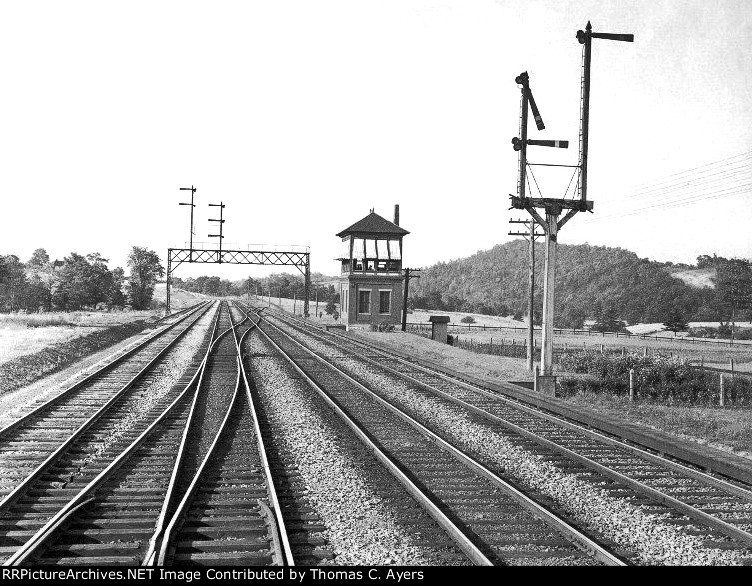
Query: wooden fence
421,328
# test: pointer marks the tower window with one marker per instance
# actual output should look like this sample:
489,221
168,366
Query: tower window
385,302
364,302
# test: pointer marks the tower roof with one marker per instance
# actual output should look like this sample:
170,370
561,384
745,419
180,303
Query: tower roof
374,224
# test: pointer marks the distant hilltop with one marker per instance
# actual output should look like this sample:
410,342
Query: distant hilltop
589,280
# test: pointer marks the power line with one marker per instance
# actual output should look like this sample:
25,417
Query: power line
724,192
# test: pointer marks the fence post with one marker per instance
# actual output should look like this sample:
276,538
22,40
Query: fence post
631,385
722,392
623,350
535,380
601,348
731,366
645,352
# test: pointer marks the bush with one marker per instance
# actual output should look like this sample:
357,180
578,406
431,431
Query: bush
657,378
468,319
382,327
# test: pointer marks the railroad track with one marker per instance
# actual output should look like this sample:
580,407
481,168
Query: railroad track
110,519
192,487
27,441
227,510
700,504
56,449
488,518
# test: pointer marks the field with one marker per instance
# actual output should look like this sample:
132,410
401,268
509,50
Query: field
696,277
24,334
717,355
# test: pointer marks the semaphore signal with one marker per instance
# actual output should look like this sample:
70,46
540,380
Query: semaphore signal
221,221
193,192
521,143
552,207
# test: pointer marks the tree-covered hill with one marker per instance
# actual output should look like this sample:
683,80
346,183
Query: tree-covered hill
589,280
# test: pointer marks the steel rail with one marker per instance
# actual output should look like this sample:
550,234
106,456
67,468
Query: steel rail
12,496
520,405
656,495
162,520
181,508
275,507
280,542
117,360
45,533
535,508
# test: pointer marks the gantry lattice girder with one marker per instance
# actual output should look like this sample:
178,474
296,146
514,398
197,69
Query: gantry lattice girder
298,259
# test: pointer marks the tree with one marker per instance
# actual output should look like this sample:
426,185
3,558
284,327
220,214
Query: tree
12,283
73,290
116,297
145,268
330,308
676,322
40,273
468,319
608,322
734,285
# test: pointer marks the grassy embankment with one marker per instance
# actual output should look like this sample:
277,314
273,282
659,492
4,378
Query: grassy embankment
710,352
25,334
35,345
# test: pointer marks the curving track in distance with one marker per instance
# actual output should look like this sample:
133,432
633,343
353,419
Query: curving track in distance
228,512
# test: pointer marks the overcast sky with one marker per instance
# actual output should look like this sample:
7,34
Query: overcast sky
301,116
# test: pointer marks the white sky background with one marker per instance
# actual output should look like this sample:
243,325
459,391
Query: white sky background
301,116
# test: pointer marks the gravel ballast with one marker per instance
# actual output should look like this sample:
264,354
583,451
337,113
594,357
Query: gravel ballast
162,379
653,541
341,477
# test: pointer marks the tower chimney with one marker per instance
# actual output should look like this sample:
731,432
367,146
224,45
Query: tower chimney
396,214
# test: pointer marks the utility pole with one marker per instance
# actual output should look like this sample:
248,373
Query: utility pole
221,221
408,274
530,236
317,298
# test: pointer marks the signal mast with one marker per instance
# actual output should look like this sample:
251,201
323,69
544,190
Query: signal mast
552,207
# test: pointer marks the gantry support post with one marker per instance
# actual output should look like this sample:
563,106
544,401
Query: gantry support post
307,285
169,279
